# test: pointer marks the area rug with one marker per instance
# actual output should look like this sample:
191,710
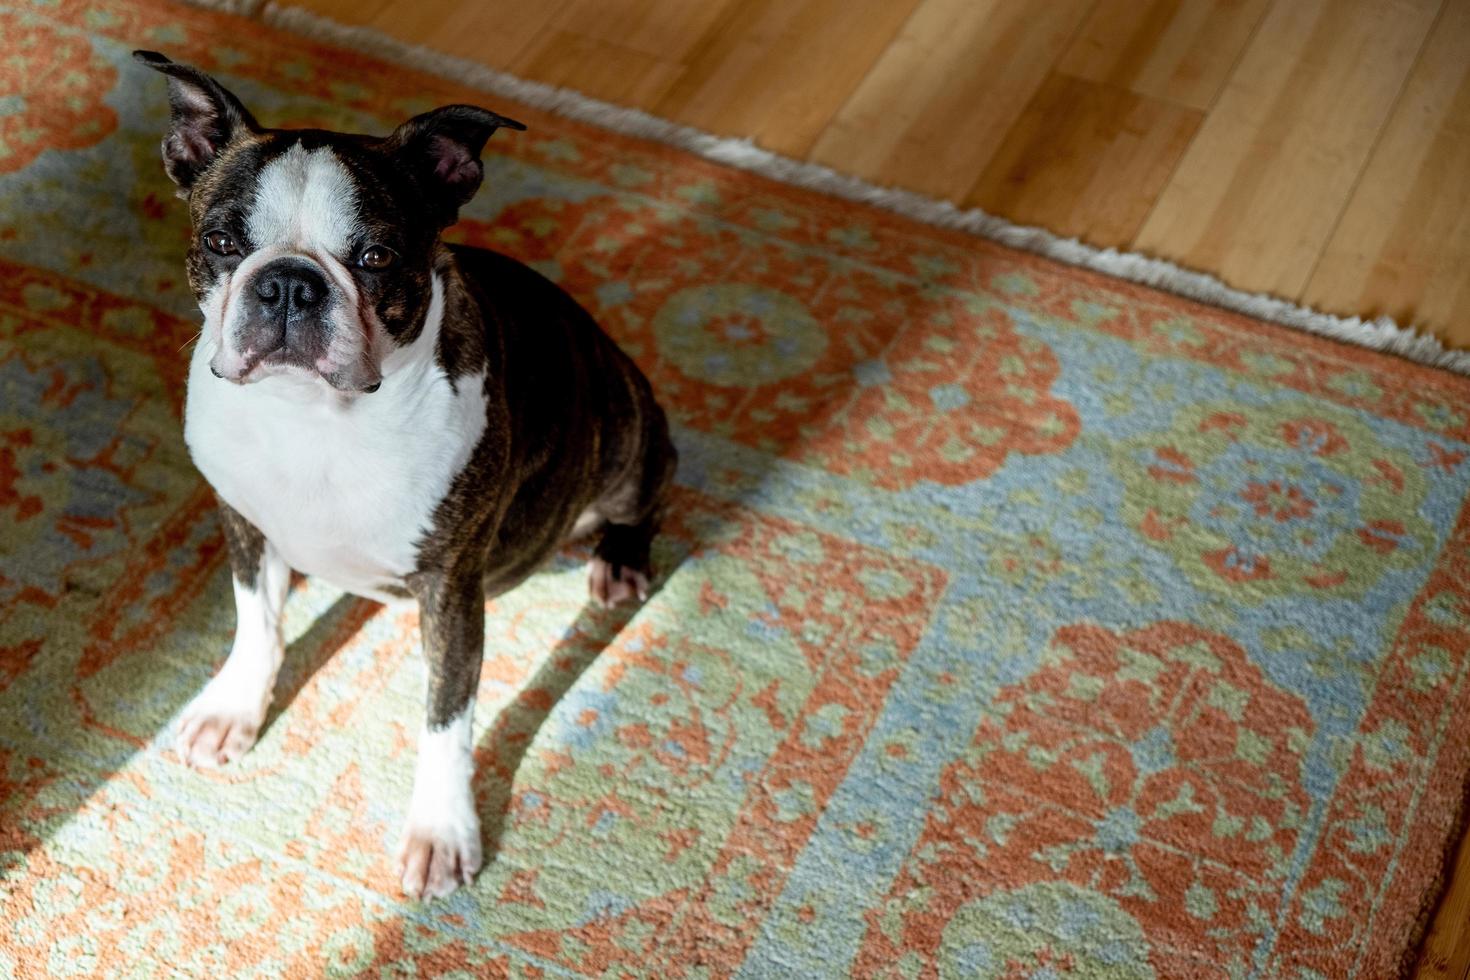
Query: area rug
1013,620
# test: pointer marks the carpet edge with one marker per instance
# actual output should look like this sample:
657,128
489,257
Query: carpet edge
1413,955
1381,333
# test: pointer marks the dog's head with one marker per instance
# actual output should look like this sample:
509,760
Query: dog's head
312,251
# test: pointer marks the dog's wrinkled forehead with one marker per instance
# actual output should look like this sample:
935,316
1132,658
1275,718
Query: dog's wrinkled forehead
315,193
304,199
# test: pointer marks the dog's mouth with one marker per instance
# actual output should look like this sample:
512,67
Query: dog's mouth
250,367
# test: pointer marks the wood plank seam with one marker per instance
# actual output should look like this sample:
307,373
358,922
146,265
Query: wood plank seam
1347,199
1214,100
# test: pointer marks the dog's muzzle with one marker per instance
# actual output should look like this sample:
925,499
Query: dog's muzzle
289,314
289,301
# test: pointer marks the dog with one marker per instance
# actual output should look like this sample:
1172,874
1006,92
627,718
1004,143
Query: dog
404,418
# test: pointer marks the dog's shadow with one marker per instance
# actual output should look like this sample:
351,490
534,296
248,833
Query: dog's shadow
503,748
329,632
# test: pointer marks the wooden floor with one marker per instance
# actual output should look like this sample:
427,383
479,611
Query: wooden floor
1314,149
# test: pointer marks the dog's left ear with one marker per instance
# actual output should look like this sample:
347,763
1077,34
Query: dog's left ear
206,116
441,149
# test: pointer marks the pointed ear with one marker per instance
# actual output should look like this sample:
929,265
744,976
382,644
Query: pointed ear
441,149
205,118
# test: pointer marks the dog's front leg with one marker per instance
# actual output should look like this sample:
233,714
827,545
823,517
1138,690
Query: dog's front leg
221,723
440,848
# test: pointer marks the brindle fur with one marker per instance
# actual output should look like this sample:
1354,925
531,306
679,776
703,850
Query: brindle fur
571,423
245,545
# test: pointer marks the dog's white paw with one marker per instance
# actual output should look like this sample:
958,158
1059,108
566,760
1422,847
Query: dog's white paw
219,726
611,584
434,860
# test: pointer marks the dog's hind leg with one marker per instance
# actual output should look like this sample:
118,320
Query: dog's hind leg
632,511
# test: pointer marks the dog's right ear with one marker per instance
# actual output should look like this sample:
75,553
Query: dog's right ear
206,117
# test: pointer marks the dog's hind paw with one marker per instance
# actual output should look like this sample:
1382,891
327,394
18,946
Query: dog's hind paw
611,584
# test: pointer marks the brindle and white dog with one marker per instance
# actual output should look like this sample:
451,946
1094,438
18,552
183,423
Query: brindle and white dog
404,418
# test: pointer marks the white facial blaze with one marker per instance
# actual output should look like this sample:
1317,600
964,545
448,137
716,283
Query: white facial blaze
305,200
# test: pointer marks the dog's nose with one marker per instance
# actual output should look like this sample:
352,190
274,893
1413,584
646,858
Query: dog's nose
290,287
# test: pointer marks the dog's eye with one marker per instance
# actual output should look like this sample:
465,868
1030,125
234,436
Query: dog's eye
220,243
376,258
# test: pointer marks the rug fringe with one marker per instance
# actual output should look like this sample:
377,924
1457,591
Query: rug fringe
1381,333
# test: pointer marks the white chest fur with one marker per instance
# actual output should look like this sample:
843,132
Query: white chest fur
344,488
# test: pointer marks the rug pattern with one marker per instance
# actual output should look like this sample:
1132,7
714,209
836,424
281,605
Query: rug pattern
1015,621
